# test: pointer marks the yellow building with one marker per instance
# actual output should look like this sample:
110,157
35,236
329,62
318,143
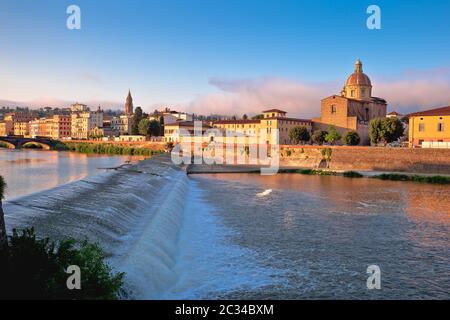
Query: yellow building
84,123
6,128
430,128
273,119
22,128
174,132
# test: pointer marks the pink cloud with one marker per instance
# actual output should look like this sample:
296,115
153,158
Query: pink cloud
408,92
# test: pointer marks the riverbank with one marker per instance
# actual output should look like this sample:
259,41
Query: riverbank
108,148
393,176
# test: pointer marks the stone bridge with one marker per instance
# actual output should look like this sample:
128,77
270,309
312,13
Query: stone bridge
17,142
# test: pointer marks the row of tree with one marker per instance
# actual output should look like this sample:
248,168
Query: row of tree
381,131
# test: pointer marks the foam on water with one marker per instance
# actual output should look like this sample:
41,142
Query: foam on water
156,229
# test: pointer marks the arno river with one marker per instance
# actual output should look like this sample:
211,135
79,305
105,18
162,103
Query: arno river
239,235
29,171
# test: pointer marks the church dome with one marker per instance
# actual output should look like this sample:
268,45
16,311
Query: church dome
358,78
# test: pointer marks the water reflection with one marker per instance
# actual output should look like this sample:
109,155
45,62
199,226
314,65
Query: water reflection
324,231
29,171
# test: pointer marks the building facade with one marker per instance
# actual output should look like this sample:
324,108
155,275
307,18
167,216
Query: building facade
83,123
272,120
430,128
122,124
354,108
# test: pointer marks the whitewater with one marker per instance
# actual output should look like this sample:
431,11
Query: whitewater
152,223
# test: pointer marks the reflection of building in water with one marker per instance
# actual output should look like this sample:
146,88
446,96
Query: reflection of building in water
428,203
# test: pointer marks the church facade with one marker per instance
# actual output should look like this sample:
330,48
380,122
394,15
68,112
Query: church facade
353,108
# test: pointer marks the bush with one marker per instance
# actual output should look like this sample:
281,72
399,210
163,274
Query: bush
326,153
352,138
3,144
108,148
34,268
333,135
415,178
298,134
319,136
352,174
385,130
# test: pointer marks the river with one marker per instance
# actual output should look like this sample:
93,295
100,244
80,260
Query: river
29,171
240,236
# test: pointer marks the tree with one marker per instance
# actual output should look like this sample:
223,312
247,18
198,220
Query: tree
149,127
385,130
2,218
352,138
244,117
35,268
257,117
161,126
137,117
319,136
154,128
298,134
333,135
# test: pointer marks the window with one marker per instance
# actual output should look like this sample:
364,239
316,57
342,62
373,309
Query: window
421,127
352,93
333,108
363,92
440,126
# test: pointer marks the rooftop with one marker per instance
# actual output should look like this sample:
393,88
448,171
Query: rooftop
275,110
444,111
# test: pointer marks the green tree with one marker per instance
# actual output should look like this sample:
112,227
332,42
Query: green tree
298,134
385,130
137,117
2,218
161,126
319,136
144,127
35,268
352,138
333,135
257,117
154,128
244,117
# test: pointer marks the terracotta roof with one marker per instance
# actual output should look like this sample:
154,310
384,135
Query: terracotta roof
358,78
444,111
287,119
237,121
394,113
275,110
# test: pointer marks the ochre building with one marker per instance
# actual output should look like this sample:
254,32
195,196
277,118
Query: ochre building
430,128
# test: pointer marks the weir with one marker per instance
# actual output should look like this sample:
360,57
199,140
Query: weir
134,215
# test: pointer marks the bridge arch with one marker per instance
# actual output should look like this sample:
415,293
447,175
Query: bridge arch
8,144
42,145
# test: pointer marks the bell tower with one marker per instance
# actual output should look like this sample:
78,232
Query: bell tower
129,104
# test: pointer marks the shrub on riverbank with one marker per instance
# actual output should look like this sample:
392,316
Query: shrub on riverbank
415,178
352,174
108,148
32,268
32,145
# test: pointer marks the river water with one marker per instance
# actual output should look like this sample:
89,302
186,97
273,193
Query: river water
248,236
29,171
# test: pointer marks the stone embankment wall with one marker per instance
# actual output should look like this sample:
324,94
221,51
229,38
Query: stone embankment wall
368,158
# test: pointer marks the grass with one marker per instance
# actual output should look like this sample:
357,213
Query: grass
415,178
107,148
3,145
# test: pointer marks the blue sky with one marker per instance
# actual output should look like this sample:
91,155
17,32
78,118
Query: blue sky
220,55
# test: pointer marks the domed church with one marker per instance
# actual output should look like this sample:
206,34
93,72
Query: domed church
353,108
